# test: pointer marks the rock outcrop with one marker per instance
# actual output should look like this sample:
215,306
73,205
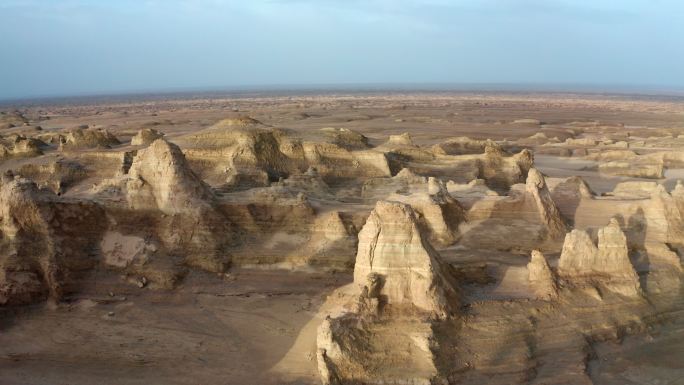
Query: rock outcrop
438,212
29,269
541,278
160,179
392,247
633,169
400,289
255,155
608,263
19,146
525,220
146,136
538,199
331,244
89,138
43,242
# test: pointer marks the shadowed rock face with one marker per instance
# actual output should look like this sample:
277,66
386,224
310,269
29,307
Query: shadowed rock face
29,269
539,198
43,242
392,246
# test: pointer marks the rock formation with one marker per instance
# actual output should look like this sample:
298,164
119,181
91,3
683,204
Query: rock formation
89,138
538,199
608,262
43,241
526,219
541,278
331,244
146,136
19,146
253,154
392,246
438,213
160,179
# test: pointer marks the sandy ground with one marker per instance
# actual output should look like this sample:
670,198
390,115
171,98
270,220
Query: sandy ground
208,331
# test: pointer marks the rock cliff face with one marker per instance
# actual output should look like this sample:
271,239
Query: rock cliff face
29,270
608,262
392,247
43,242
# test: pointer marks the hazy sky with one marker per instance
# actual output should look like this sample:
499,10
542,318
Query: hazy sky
66,47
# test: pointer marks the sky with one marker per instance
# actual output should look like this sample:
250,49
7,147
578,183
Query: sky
82,47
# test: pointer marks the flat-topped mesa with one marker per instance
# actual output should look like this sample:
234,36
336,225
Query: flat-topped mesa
609,263
160,177
537,196
255,155
392,248
542,280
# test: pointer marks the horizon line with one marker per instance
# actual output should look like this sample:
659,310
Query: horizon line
271,89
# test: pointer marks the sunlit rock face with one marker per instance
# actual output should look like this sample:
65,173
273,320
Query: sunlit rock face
392,246
542,279
607,262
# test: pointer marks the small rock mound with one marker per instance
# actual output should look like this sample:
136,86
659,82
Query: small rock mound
19,146
540,276
89,138
146,136
345,138
401,140
239,121
460,146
